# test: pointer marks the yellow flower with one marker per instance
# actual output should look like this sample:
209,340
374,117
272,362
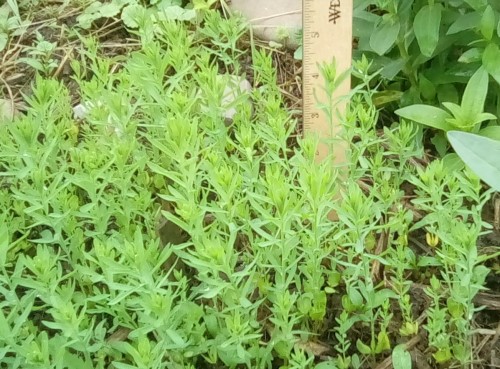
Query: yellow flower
432,239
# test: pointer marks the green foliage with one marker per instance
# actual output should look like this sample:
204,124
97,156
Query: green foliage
465,117
433,55
151,233
428,50
11,23
401,359
41,56
135,14
480,154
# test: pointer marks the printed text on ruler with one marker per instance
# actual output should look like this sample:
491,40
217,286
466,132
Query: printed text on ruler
334,11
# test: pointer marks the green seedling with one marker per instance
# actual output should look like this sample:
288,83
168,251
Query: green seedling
11,23
465,117
152,234
41,56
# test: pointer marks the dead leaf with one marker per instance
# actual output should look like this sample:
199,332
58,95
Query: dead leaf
315,348
121,334
7,110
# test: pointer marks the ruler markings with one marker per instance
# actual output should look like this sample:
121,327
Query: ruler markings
327,35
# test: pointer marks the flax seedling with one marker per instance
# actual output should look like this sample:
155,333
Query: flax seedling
456,253
403,260
343,359
151,234
437,328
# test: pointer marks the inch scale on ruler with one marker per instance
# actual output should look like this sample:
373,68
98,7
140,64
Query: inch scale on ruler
327,35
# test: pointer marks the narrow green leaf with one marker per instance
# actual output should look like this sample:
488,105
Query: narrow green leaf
427,115
455,109
298,54
4,13
74,362
480,154
119,365
401,359
363,348
440,142
14,7
382,296
482,117
475,94
442,355
384,36
492,132
426,28
426,87
355,297
426,261
392,68
491,56
465,22
3,40
203,4
447,92
488,23
5,329
477,4
385,97
330,364
470,56
383,342
176,338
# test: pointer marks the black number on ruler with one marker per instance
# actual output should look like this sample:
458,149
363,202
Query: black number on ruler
334,11
315,76
314,115
314,34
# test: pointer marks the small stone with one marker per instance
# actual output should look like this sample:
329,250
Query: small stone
236,92
236,87
273,20
7,110
80,111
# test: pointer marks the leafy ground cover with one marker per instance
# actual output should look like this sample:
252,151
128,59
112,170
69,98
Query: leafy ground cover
149,233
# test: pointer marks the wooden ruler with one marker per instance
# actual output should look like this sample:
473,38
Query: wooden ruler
327,35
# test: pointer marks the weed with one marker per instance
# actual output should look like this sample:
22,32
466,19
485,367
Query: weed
41,56
426,52
152,234
11,23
